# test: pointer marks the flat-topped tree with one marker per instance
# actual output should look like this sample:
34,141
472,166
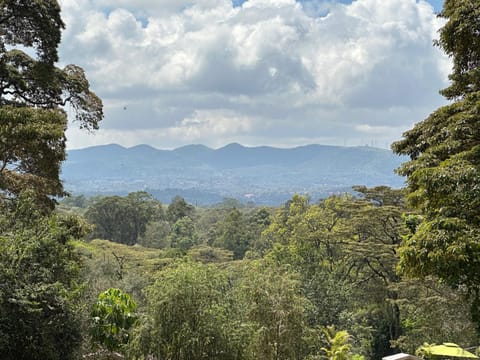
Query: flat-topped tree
443,173
33,92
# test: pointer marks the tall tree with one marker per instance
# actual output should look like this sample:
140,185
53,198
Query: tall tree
33,92
460,39
38,267
444,168
345,249
309,238
377,229
179,208
123,219
232,234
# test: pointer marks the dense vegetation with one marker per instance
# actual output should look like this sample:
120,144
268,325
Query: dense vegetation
240,282
444,171
349,277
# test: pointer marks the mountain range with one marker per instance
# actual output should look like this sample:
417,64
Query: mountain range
263,175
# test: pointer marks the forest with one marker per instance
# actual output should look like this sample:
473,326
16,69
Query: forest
299,281
352,276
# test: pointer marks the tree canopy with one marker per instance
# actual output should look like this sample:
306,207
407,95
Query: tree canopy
443,172
33,93
39,285
460,39
123,219
39,269
308,266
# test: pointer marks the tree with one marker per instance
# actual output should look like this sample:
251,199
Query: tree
39,284
33,92
188,315
433,312
232,234
123,219
179,208
460,39
256,224
112,218
156,235
183,235
276,312
443,172
113,316
146,209
39,271
377,226
309,238
345,249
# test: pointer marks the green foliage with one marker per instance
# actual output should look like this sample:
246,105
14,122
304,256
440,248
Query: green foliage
234,229
444,168
244,311
183,235
258,222
339,347
39,291
39,270
32,143
232,234
443,176
123,219
276,311
178,209
113,316
330,263
156,235
108,264
36,82
460,39
433,312
345,250
188,315
208,254
33,91
309,238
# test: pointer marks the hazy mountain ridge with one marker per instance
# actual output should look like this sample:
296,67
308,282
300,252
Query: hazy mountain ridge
267,175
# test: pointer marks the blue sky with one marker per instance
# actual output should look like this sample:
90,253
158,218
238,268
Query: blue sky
263,72
437,4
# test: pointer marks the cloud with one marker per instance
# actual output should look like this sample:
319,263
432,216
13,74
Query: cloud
266,72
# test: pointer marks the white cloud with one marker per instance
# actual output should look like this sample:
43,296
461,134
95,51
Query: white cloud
268,72
204,124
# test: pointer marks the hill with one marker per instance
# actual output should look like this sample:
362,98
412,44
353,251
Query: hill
264,175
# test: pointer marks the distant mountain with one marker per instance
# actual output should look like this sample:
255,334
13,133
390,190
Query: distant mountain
264,175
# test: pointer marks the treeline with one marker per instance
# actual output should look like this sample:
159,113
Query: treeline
140,219
242,282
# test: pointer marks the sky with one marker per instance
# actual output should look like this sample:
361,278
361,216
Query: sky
281,73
